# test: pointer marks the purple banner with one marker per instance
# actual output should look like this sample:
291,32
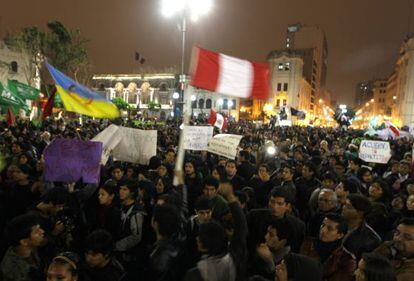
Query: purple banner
71,160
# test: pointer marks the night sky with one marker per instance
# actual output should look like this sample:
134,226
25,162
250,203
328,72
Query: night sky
364,36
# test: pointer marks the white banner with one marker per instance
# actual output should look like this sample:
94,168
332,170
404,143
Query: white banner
375,151
110,139
224,145
197,137
127,144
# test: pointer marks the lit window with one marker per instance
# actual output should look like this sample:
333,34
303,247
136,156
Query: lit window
280,67
287,66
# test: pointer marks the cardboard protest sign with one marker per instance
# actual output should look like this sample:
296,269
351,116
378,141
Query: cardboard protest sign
69,160
224,145
375,151
197,137
127,144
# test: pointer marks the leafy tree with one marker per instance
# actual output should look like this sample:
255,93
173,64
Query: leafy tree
121,104
63,48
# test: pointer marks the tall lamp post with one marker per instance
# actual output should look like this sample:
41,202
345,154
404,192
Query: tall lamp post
192,9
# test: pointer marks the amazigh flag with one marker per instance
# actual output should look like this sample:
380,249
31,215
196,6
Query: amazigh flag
229,75
25,92
68,160
8,99
80,99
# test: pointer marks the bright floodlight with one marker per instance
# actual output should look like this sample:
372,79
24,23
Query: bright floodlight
270,147
193,97
195,8
230,103
176,95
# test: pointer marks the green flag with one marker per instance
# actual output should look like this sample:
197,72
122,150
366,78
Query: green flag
25,92
7,98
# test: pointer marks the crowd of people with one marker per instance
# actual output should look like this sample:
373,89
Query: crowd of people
312,211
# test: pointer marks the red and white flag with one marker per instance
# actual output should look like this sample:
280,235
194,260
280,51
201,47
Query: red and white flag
229,75
217,120
394,130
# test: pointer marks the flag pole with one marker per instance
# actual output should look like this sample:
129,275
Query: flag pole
188,91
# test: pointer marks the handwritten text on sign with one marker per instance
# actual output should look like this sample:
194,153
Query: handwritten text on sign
375,151
224,145
197,137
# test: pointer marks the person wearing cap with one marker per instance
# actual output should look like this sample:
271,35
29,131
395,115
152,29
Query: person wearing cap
361,237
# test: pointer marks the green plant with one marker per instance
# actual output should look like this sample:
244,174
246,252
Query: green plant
121,104
152,105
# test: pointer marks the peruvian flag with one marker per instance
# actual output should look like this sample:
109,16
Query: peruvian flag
394,130
217,120
229,75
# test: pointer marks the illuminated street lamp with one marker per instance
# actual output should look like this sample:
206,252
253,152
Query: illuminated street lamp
367,104
193,9
372,100
394,97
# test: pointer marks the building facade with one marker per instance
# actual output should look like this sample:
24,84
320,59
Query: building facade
142,90
16,66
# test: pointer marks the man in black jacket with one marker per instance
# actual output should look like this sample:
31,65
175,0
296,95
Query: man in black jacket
245,169
361,237
280,204
222,261
166,253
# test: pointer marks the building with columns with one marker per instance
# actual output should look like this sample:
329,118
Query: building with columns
139,90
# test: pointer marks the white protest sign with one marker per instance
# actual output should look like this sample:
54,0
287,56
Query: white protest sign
197,137
127,144
224,145
136,146
110,139
375,151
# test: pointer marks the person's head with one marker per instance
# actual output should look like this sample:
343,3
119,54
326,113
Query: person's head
162,170
23,159
107,193
132,172
374,267
117,172
128,190
264,172
56,199
398,202
241,198
25,231
308,170
203,209
244,156
218,172
410,203
365,175
355,164
162,185
287,173
170,156
231,168
394,166
212,239
328,180
165,220
340,169
189,168
278,235
22,173
404,237
98,248
410,186
356,207
211,186
64,267
379,191
332,160
333,228
280,202
344,188
404,168
16,148
327,200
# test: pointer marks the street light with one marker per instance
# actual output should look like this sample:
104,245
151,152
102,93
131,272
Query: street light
186,8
